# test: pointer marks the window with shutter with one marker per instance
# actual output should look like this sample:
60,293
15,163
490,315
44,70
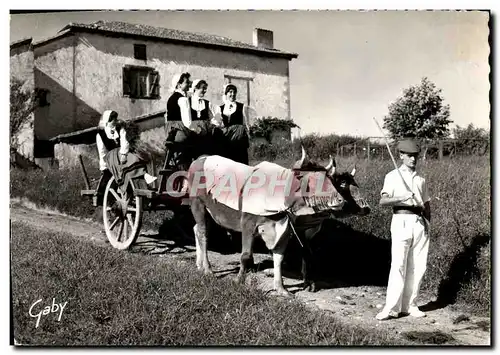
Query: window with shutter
141,82
126,81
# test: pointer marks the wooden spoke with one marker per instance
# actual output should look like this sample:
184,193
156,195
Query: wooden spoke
115,195
125,229
129,219
119,238
114,223
131,209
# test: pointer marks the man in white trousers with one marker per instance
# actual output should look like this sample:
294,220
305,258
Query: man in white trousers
409,233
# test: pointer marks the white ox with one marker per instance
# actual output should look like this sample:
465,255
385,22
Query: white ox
270,202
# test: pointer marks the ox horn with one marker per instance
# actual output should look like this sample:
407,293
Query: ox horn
303,159
330,168
353,170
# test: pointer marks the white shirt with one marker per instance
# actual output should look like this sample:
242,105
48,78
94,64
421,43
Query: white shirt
230,108
198,104
183,103
101,148
393,186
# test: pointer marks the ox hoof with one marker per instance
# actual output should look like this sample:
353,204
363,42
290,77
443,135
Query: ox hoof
208,272
310,287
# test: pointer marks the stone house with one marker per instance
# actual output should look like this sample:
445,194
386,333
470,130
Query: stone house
88,68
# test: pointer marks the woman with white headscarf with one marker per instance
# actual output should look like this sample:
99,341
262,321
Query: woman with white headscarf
178,115
117,145
178,123
235,124
205,121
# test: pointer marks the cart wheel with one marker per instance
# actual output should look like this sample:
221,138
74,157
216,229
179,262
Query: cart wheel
122,215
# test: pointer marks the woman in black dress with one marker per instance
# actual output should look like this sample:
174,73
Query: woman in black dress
235,125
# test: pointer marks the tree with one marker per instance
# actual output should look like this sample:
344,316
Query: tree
471,139
419,113
470,132
22,105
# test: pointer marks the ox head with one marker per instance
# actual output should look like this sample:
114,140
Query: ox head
338,188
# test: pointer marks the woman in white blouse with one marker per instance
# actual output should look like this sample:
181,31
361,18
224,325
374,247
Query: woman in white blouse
202,112
119,148
235,124
178,123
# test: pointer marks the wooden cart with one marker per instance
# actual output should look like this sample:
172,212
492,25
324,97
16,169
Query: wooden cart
123,211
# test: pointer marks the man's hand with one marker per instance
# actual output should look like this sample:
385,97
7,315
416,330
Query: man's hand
408,196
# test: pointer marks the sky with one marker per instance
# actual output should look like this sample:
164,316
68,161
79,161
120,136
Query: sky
351,64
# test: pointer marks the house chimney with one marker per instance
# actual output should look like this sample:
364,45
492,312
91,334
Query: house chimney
263,38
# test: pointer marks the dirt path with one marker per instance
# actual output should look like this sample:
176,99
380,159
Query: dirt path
355,305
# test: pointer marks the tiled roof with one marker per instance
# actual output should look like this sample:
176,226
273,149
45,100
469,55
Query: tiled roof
20,42
87,135
129,29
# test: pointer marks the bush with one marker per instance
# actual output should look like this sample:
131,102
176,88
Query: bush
263,127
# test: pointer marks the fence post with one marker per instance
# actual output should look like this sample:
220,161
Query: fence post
368,147
342,151
337,151
355,151
440,150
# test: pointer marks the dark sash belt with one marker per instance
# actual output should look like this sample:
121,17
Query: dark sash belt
408,210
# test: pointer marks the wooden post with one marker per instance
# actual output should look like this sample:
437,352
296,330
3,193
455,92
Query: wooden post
355,149
84,172
368,148
337,151
342,151
440,149
154,171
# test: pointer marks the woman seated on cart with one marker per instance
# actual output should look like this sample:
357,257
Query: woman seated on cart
235,125
117,144
191,120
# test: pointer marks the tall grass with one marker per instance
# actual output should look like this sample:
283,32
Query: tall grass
125,299
459,257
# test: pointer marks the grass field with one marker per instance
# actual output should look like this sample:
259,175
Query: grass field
459,266
118,298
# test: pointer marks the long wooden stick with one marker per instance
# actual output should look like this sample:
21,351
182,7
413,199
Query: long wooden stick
392,157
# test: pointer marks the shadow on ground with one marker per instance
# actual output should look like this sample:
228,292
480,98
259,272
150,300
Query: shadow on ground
343,256
463,269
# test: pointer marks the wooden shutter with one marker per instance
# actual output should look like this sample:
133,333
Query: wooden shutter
154,84
126,81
